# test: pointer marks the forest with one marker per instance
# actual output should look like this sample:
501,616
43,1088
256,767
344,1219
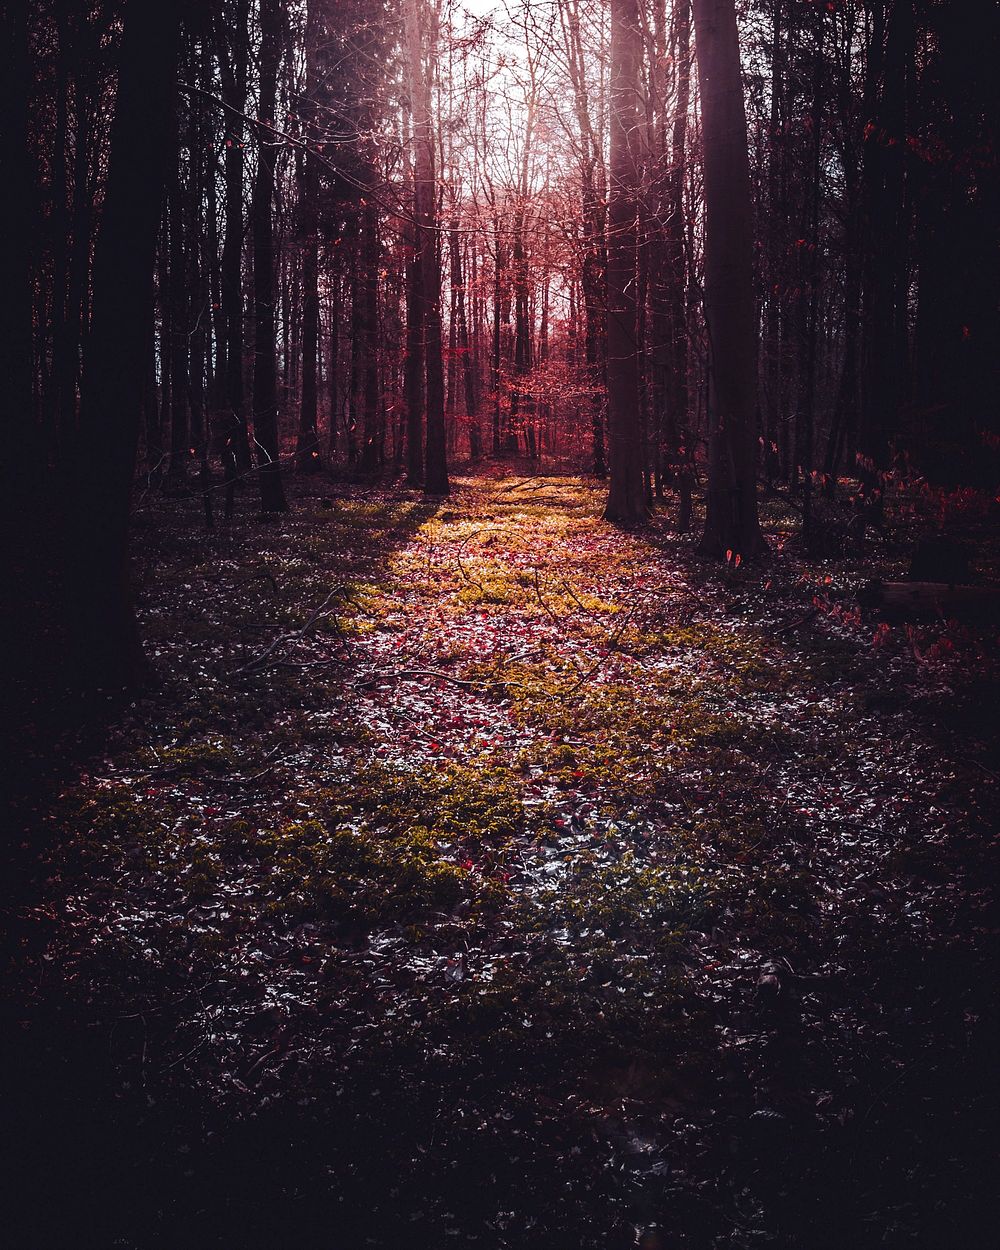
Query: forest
501,605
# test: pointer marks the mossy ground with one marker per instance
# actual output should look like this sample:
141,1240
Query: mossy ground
441,870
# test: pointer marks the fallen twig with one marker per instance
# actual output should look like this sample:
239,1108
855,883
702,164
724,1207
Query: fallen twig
259,661
470,683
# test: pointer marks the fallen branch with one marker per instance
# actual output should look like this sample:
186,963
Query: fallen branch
611,643
260,661
469,683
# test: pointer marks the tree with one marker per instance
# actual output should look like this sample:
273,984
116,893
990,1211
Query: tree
886,246
101,609
592,222
265,372
233,56
419,81
731,522
307,454
15,270
626,502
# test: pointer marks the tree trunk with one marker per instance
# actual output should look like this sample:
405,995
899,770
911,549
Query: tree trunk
236,440
498,266
101,607
413,366
307,454
462,343
436,455
333,371
886,219
371,451
676,281
731,522
265,374
179,305
15,270
626,496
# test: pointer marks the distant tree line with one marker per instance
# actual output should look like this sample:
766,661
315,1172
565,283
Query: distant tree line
687,243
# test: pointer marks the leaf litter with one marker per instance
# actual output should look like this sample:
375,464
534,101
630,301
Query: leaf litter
485,873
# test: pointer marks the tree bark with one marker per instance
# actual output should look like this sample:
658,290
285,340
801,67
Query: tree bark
626,502
307,453
265,375
676,275
101,609
413,366
236,441
179,304
372,449
731,523
462,344
436,454
15,269
885,281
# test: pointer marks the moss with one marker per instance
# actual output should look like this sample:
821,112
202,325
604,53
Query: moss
630,894
95,826
477,801
349,874
213,755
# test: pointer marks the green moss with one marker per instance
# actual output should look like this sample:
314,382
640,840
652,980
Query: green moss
476,801
349,874
630,894
213,755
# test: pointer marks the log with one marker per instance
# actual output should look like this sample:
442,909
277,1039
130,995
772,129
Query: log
902,600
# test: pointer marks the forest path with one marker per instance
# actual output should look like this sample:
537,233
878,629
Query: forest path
484,874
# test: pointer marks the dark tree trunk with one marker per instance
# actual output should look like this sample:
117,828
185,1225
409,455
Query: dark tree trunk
626,496
200,294
676,277
357,349
265,374
307,453
150,399
61,370
413,365
101,609
806,420
236,441
886,219
845,412
333,373
462,343
372,450
731,523
179,304
156,466
436,453
522,341
413,362
79,264
957,248
15,273
775,417
217,356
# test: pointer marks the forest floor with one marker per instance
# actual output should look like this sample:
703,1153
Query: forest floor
478,873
